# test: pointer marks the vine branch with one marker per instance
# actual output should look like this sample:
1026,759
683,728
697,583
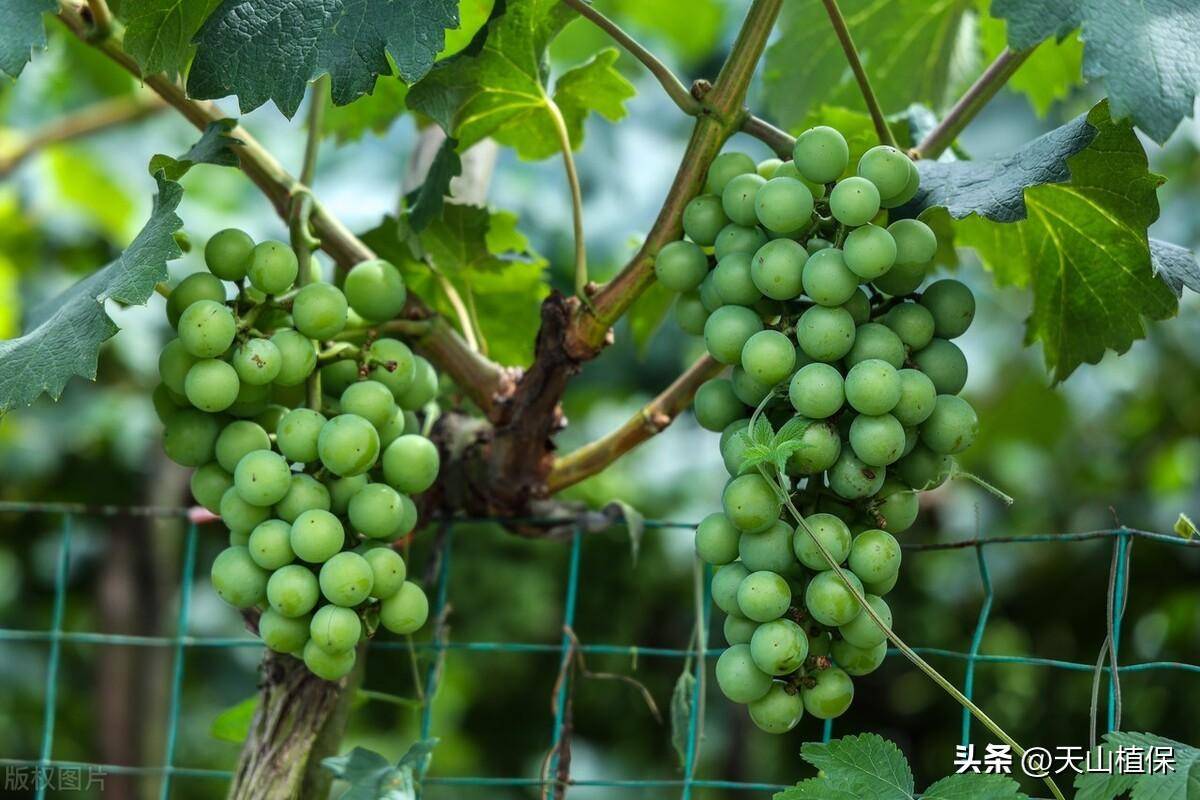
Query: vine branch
778,140
860,74
102,18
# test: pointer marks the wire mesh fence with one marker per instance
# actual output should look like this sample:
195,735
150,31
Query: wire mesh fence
551,780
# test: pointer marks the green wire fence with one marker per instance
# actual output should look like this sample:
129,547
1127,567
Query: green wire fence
549,781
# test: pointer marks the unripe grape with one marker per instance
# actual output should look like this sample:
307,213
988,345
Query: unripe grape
192,289
680,266
335,377
207,328
348,445
725,583
392,364
335,629
329,666
727,330
173,364
709,297
208,483
283,634
912,323
211,385
257,361
877,440
777,269
788,170
872,387
859,307
830,531
750,503
237,439
237,579
917,396
923,469
716,405
738,677
945,365
863,631
779,647
952,305
317,536
238,515
908,192
387,571
738,630
829,601
733,281
375,290
424,386
869,251
852,479
269,545
737,198
346,579
304,494
873,340
190,436
298,357
896,506
783,205
376,510
227,254
915,241
738,239
273,267
703,219
883,587
293,591
821,154
858,660
817,391
769,357
764,596
690,313
769,550
370,400
854,201
297,433
727,166
827,279
746,388
901,279
341,490
825,334
820,447
733,445
831,695
779,710
262,477
768,167
875,556
887,168
395,427
319,311
411,463
717,540
405,611
952,426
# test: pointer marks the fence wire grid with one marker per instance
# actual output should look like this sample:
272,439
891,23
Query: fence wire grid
549,782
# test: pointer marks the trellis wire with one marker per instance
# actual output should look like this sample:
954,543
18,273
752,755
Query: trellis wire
439,644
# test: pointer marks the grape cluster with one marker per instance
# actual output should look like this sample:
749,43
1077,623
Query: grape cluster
312,498
795,279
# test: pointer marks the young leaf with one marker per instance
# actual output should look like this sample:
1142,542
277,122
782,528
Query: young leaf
867,764
158,33
233,724
1181,782
975,786
1147,53
428,200
1176,265
214,147
22,33
681,713
371,777
1185,528
271,49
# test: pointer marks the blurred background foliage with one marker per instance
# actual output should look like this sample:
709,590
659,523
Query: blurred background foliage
1116,442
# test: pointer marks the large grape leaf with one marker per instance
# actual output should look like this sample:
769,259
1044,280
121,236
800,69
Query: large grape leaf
22,32
867,764
158,33
1147,53
501,91
265,50
1083,250
1181,783
1049,72
908,47
1176,265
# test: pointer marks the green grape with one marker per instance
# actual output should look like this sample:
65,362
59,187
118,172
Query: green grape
895,507
952,305
923,469
293,591
829,601
727,331
817,391
877,440
908,192
873,340
376,510
738,239
779,647
738,677
725,583
738,630
283,634
304,494
820,447
872,387
348,445
370,400
915,241
817,243
269,544
328,666
211,385
392,364
917,397
424,386
238,515
319,311
779,710
830,531
208,483
273,267
251,400
952,426
341,490
237,579
901,279
394,428
680,266
763,596
912,323
827,279
411,463
317,535
733,281
750,503
768,357
405,611
375,290
788,170
912,436
746,388
238,539
262,478
346,579
874,556
869,251
207,328
337,376
727,166
887,168
387,571
408,521
335,629
270,416
770,550
257,361
227,254
945,365
297,433
783,205
298,357
858,660
883,587
717,540
768,167
830,695
851,479
190,437
821,154
237,439
192,289
716,405
854,201
859,307
690,313
708,296
703,219
777,269
733,446
863,631
173,364
825,334
737,198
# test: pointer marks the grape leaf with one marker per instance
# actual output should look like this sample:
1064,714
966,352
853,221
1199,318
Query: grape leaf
428,200
233,724
501,91
372,777
867,764
1176,265
817,789
270,49
158,33
908,48
1147,53
1049,73
215,147
975,786
371,113
1083,250
681,713
22,33
1182,783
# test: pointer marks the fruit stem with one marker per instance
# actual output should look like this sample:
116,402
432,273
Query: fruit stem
860,74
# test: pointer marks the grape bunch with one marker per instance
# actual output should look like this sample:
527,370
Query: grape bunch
795,279
313,493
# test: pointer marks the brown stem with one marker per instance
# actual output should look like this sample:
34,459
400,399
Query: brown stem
652,419
778,140
864,84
